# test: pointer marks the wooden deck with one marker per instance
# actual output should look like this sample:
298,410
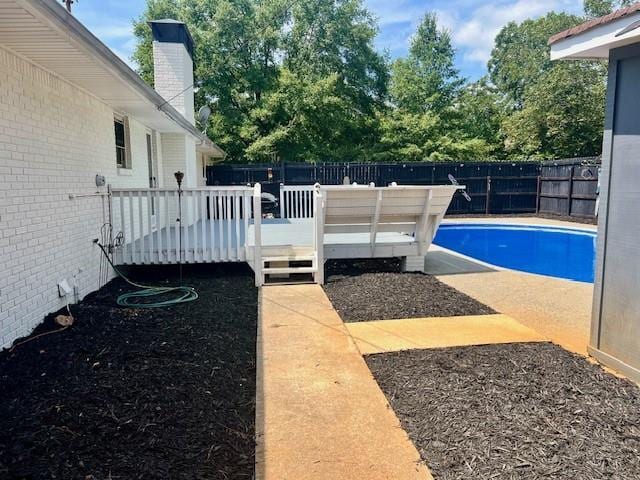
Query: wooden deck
225,224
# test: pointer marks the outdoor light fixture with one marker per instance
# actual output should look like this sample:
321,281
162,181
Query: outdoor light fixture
179,176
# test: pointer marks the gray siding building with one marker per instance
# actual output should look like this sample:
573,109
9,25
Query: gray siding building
615,329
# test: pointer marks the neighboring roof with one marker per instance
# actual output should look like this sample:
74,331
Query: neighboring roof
596,22
43,32
596,38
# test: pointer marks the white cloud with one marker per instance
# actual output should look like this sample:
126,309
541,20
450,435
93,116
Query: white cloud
475,34
473,24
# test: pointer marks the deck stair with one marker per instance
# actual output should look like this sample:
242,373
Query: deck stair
279,268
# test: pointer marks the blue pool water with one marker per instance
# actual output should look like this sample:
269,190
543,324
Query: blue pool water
557,252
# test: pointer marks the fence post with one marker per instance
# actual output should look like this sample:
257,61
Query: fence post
570,197
488,199
538,190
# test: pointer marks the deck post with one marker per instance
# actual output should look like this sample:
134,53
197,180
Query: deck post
282,200
257,223
318,218
424,227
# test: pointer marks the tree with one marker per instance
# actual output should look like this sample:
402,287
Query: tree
336,37
236,50
598,8
426,80
143,54
311,121
339,81
521,54
242,47
563,114
478,113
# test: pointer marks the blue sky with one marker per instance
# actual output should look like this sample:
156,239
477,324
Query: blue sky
473,23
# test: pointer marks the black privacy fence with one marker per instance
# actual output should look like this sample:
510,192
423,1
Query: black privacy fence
569,189
563,187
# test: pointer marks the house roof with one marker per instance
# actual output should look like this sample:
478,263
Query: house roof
594,38
596,22
43,32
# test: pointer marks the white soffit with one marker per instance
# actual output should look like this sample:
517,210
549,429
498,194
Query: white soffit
59,44
596,42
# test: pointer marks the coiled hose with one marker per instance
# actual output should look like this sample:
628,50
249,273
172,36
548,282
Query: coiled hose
186,294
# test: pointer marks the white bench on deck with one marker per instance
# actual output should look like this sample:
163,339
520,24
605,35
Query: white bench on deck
398,221
354,221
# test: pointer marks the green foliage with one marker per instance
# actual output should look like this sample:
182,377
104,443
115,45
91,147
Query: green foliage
302,81
553,109
563,114
426,80
478,114
407,136
336,37
598,8
310,120
143,55
521,53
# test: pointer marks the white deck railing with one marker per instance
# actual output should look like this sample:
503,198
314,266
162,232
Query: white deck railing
296,201
196,225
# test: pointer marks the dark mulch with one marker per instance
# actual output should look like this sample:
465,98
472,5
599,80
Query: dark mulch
137,394
519,411
365,290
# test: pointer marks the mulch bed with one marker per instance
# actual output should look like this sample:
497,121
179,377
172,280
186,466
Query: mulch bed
137,393
365,290
518,411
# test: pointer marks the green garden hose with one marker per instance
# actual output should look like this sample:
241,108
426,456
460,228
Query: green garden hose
186,294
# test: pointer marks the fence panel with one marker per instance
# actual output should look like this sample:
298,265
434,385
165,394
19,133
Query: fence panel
569,189
494,187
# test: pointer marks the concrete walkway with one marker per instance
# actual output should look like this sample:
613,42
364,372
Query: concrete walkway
320,414
558,309
393,335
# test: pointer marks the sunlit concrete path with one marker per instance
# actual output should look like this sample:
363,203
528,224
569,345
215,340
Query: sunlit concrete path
439,332
320,414
557,308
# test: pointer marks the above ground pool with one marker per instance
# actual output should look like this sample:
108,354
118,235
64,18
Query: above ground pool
557,252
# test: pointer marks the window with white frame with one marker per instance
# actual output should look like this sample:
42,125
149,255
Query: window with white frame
121,127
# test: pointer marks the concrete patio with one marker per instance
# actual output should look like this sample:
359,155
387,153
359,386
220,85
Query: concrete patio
320,413
556,308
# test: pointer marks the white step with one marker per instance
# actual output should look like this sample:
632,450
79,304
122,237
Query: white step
280,270
290,258
286,251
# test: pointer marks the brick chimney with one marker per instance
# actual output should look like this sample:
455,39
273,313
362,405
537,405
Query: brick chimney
173,64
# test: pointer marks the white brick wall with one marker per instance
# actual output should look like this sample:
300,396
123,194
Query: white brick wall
54,138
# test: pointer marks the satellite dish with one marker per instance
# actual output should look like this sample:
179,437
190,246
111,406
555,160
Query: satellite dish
203,115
